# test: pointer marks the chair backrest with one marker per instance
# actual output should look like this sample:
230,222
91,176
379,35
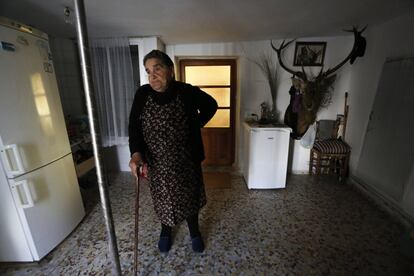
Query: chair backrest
326,129
333,129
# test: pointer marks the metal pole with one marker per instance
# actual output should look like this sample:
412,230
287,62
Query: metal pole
82,34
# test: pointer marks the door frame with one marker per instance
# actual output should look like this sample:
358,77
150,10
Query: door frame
206,61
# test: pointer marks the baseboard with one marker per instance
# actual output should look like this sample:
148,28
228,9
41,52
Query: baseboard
386,204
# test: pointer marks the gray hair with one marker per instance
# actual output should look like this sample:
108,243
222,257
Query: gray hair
160,55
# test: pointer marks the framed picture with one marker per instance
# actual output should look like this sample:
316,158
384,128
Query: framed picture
309,53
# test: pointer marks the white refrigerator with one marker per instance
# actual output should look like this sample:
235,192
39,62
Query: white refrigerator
266,150
40,201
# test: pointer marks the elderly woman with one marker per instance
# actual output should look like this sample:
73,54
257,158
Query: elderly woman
165,138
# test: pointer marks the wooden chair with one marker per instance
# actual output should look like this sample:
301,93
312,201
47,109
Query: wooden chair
330,153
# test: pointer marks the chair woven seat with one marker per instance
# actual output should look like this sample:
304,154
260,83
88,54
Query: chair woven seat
332,146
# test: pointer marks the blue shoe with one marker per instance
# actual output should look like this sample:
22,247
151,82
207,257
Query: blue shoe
197,244
164,244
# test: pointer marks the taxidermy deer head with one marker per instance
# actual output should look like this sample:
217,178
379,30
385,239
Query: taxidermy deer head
315,92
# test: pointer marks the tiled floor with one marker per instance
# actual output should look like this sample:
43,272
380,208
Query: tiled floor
313,227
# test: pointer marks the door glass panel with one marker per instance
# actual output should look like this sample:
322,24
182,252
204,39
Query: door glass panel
220,119
208,75
221,95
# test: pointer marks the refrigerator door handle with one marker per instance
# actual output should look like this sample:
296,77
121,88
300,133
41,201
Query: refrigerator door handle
9,170
27,194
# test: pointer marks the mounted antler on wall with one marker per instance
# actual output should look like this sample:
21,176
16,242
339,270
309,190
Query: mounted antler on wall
309,94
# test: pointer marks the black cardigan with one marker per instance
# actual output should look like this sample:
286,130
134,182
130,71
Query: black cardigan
199,106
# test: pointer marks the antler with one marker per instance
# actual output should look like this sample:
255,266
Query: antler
359,45
299,74
358,41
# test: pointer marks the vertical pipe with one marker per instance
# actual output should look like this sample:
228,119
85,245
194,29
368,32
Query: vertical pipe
82,35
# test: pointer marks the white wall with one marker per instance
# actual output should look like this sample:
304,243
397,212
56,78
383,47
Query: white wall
252,87
391,39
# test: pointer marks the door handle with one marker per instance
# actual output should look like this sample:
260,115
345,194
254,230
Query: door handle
25,185
6,160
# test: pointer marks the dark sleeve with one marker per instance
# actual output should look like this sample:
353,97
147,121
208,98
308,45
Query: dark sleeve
205,104
136,138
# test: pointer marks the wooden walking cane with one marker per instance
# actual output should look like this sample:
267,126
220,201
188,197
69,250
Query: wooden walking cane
136,220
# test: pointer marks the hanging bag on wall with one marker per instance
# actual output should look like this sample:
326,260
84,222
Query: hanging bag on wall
309,137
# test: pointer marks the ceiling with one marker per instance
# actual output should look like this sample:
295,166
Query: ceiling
201,21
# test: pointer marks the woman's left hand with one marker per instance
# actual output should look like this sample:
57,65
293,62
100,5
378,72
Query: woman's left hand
138,166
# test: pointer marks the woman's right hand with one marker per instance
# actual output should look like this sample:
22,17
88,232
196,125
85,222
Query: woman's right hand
137,162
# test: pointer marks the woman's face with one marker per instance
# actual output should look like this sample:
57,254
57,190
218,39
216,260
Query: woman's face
159,75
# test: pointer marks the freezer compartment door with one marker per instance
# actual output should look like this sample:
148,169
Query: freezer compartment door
49,204
31,116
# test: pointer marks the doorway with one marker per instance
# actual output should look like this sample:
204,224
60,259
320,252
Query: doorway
217,77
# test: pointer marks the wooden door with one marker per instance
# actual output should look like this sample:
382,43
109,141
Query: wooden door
216,77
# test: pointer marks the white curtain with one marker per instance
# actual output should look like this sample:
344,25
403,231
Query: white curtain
114,87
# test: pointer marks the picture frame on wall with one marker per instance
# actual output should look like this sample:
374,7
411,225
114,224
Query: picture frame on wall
309,53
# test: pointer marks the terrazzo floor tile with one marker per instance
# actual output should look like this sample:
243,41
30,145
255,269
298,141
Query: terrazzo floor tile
315,226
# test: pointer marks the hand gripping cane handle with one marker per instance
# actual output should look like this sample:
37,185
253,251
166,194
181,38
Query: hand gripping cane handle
136,220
